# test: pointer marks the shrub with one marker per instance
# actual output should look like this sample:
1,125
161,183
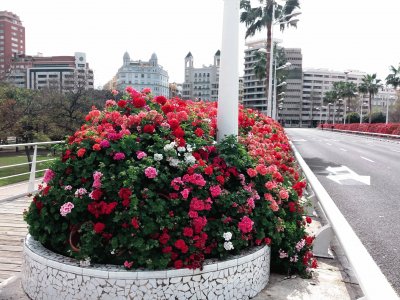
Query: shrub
143,183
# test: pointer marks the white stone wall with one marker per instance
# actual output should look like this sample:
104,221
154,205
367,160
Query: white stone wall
46,275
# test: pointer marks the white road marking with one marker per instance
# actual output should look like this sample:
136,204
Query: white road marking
300,140
395,150
343,149
345,176
329,144
367,159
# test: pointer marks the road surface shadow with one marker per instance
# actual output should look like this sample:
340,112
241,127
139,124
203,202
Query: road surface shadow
318,166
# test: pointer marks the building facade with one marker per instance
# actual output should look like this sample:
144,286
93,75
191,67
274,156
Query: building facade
64,73
201,83
255,95
143,74
12,40
384,99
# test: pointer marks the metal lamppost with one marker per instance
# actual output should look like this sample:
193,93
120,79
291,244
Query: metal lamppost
387,108
274,100
329,113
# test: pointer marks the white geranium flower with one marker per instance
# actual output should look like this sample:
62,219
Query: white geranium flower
181,149
227,236
174,162
228,246
189,148
190,159
158,157
170,146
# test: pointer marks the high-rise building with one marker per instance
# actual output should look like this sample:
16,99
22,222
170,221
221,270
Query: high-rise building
316,82
289,115
12,40
255,95
201,83
143,74
64,73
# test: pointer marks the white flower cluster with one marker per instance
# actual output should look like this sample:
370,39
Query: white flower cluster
228,245
158,157
185,151
227,236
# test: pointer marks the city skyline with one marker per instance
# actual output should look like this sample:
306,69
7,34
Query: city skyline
333,35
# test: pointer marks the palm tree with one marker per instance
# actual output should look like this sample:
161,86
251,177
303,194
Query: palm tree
259,17
393,79
371,85
330,97
345,90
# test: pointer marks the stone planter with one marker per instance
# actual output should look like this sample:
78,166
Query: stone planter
46,275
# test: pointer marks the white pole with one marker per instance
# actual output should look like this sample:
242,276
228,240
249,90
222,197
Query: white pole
387,109
271,59
31,184
274,100
361,109
228,94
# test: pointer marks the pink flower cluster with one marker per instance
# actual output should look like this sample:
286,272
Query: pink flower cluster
48,175
97,179
245,225
66,208
151,172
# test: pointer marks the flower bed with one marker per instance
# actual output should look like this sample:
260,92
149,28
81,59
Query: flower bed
46,275
143,184
390,128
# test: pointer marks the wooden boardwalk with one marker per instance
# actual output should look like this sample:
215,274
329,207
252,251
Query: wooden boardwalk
13,230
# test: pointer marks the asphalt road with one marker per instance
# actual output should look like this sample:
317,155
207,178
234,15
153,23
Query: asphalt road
342,163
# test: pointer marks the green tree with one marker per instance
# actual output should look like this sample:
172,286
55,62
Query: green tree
260,17
331,97
370,85
346,90
393,79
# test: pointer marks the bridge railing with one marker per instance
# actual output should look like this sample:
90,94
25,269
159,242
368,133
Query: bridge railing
33,170
372,282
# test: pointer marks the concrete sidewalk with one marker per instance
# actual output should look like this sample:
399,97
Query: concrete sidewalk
332,280
16,190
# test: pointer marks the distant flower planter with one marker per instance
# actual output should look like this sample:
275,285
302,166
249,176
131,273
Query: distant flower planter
47,275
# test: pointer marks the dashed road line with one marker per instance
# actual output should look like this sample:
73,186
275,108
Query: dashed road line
395,150
343,149
367,159
329,144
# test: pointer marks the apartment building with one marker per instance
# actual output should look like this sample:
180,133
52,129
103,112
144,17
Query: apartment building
201,83
255,95
143,74
12,40
64,73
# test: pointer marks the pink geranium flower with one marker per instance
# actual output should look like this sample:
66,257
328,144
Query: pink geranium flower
151,172
48,176
119,156
66,208
245,225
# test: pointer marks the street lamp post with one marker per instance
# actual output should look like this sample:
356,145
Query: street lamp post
328,116
387,108
274,100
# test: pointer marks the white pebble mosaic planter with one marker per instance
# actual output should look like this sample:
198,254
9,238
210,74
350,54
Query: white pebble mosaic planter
46,275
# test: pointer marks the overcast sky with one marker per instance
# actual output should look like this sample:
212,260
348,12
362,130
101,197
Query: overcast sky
338,35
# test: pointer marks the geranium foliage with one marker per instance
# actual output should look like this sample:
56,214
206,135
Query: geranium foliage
144,184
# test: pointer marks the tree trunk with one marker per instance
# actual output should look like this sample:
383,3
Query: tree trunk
29,157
